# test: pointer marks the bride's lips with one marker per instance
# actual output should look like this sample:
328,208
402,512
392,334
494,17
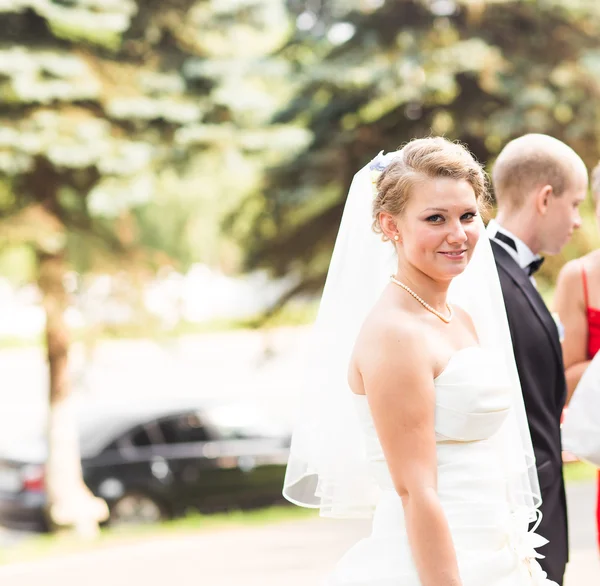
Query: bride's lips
454,254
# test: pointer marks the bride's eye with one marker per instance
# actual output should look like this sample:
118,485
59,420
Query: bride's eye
469,216
435,219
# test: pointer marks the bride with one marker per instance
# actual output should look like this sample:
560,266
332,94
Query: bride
414,414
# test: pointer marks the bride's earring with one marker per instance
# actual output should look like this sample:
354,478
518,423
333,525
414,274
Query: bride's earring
396,238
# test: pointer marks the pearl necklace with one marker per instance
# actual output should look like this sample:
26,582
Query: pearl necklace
423,302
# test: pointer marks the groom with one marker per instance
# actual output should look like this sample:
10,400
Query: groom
539,183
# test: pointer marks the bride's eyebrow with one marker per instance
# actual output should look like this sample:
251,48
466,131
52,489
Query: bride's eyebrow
435,210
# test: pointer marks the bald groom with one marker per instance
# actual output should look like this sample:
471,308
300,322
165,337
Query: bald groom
539,183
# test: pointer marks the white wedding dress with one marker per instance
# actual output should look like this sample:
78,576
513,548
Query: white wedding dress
492,542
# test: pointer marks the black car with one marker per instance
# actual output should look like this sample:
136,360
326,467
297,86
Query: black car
158,461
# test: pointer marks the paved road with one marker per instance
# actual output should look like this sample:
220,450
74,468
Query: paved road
296,553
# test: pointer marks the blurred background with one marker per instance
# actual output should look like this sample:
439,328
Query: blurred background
172,175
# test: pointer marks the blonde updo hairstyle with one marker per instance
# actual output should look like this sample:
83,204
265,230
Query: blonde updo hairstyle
425,158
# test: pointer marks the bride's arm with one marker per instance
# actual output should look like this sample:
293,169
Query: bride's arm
398,379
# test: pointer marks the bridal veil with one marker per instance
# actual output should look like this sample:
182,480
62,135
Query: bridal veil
327,466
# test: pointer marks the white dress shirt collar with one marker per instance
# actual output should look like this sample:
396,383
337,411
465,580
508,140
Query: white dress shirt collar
523,255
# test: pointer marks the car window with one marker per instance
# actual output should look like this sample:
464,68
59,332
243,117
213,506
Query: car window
140,437
186,428
114,445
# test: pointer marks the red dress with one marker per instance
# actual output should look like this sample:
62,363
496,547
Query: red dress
593,345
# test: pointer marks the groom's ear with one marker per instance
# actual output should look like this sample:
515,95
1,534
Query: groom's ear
542,198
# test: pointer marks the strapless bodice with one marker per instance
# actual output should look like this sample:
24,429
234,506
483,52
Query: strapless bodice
472,402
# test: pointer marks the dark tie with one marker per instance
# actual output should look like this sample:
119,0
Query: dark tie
534,265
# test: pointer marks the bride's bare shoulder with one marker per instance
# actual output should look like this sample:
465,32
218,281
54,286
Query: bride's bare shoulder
389,325
392,345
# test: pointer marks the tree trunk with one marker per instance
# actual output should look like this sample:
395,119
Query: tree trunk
70,504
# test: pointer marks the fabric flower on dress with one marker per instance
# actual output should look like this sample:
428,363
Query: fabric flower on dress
524,543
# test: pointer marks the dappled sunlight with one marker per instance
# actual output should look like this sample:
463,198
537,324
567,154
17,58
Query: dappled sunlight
172,179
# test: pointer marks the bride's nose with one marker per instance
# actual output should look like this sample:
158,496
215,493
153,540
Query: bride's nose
456,233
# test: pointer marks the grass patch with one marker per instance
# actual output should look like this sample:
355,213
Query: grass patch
579,472
51,545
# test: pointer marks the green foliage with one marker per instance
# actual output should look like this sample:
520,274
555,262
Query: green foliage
128,124
580,472
17,263
229,132
368,76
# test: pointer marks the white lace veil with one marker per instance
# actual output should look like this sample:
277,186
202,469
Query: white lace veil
327,467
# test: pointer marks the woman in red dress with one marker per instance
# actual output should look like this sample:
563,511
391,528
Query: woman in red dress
577,301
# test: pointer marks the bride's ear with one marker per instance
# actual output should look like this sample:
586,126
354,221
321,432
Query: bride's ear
389,227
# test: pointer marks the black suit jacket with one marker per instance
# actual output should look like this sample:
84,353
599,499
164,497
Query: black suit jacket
539,361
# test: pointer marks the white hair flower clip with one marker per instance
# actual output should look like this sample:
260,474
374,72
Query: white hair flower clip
378,165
